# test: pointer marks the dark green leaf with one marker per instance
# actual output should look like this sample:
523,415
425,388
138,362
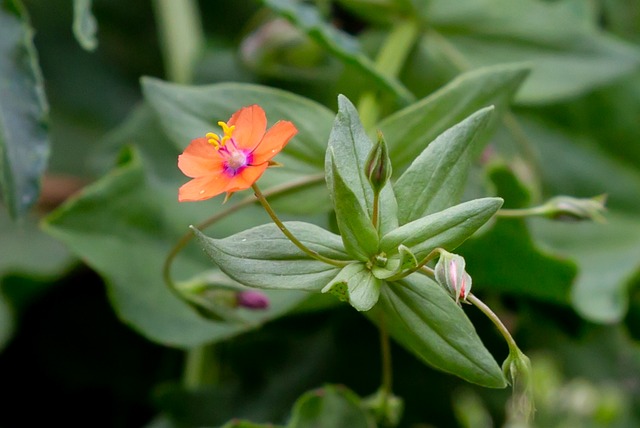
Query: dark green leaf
607,255
340,44
358,234
446,229
84,24
124,225
331,406
568,56
410,130
355,284
426,321
264,257
24,144
436,179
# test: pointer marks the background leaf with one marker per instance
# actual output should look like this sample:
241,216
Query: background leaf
85,25
339,44
124,225
331,406
568,54
24,145
411,129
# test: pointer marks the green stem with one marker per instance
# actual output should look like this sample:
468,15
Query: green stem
389,62
523,212
181,36
288,234
201,367
494,318
387,370
376,209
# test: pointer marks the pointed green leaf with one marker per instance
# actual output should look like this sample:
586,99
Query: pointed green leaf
331,406
24,144
84,25
425,320
437,178
349,147
410,130
355,284
446,229
263,257
359,236
342,45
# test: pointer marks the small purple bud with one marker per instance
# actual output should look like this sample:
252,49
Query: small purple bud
252,299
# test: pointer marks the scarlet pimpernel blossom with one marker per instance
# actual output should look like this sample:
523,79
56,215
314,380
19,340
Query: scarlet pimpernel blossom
234,160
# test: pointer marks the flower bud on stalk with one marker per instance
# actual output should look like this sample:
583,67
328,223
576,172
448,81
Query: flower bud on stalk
378,165
517,370
451,274
570,208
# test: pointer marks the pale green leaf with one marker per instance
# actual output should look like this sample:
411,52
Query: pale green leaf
436,179
446,229
425,320
263,257
24,143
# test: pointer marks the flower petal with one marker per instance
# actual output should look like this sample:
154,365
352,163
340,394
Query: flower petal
274,140
247,177
199,158
250,123
205,187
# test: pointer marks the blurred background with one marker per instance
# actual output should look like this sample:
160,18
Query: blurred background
68,355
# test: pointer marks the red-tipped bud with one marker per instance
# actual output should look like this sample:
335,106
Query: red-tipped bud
451,274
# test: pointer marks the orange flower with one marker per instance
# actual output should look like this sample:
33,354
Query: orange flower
235,160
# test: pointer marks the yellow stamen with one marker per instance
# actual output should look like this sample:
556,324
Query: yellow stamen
217,141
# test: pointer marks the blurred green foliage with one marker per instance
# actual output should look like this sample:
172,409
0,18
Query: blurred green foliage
568,291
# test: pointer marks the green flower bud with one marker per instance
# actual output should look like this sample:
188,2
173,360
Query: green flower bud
451,274
517,370
378,165
386,407
570,208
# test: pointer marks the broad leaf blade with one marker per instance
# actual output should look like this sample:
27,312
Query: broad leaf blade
24,144
410,130
426,321
331,406
263,257
436,179
446,229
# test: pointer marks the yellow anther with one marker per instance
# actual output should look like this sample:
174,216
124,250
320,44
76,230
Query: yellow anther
214,140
